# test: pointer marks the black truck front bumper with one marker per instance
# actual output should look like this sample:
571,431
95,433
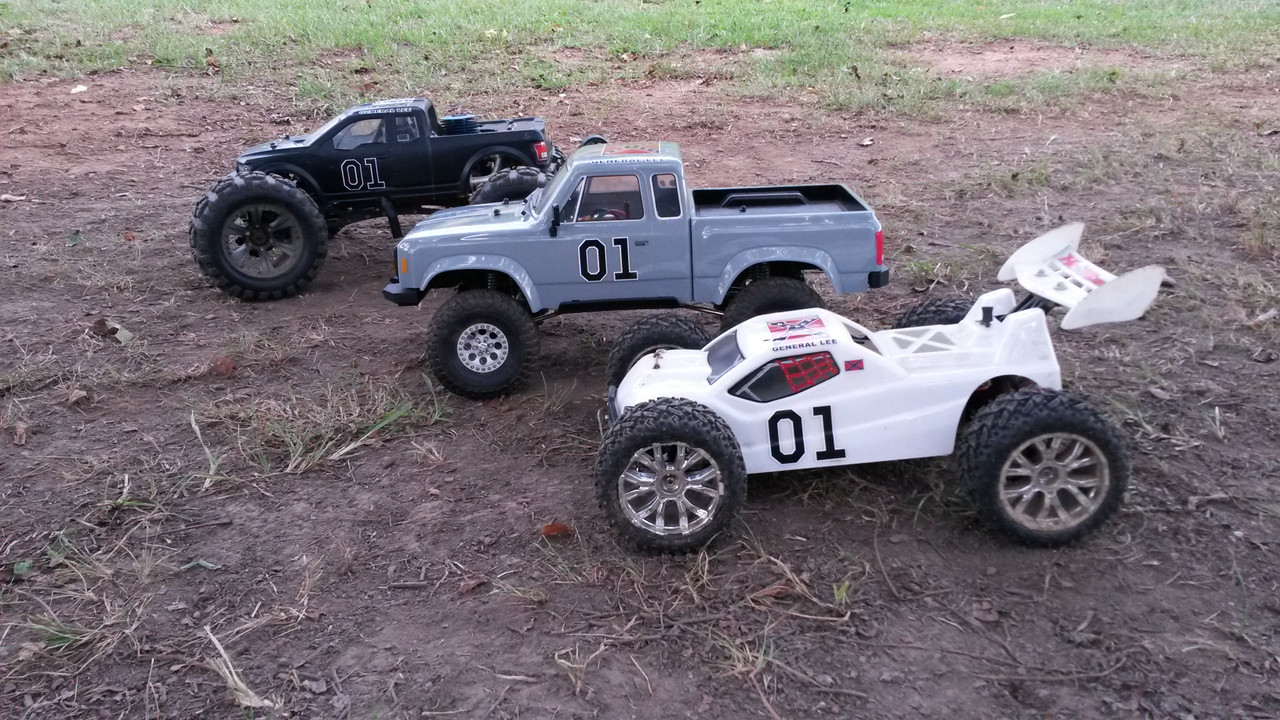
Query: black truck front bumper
878,278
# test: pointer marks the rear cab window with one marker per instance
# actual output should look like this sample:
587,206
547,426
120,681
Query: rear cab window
666,195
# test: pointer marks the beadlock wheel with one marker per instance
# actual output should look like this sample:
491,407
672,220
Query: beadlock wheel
483,348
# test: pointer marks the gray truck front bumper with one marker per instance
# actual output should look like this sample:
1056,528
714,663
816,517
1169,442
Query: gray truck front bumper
401,295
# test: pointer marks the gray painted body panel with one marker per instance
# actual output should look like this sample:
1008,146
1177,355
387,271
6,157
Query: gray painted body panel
690,258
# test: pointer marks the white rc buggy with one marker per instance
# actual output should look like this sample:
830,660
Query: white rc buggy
811,389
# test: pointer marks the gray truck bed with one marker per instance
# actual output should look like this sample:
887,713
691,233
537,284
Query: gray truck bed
775,200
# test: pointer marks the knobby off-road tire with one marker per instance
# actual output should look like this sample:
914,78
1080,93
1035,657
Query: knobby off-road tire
511,184
482,344
669,475
768,295
654,332
935,311
1043,466
258,237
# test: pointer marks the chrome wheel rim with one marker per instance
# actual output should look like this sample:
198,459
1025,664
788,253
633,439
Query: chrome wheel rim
670,489
487,166
483,348
263,240
1054,482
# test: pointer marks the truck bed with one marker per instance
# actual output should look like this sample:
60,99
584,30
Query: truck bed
775,200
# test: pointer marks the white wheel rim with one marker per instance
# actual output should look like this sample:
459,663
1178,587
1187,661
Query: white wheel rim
483,348
670,489
1054,482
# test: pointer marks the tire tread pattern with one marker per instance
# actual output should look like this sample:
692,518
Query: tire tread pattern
508,184
662,329
935,311
465,308
770,294
999,427
233,190
669,420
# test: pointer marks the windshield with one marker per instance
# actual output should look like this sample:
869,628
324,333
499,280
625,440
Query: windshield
723,355
538,199
311,137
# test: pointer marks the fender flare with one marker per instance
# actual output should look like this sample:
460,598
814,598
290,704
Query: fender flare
522,157
782,253
487,263
305,183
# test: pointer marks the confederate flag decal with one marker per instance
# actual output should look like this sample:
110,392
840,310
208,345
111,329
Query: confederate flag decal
796,328
852,365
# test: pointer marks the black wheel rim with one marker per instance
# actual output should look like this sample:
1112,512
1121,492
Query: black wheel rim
263,240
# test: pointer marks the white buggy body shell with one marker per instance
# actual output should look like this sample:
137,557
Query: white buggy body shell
894,395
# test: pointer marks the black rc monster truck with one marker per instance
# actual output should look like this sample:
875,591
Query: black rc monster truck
260,232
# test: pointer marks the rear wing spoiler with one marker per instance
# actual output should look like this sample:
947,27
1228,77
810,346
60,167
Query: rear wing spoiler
1051,267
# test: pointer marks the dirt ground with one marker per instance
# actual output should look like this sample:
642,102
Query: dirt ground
195,520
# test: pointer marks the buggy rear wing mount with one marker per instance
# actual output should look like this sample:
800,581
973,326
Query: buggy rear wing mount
1052,268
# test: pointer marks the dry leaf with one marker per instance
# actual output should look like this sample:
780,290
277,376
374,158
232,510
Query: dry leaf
76,395
865,142
111,329
470,584
222,366
20,433
776,590
130,237
984,611
78,89
555,530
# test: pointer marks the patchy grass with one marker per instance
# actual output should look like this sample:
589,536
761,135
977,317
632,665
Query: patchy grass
335,52
293,433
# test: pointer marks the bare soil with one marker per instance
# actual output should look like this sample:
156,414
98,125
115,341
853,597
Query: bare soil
149,506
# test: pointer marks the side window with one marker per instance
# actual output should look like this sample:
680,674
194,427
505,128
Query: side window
787,376
666,195
360,132
611,197
407,128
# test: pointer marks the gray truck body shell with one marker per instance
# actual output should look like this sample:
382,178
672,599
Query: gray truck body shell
692,257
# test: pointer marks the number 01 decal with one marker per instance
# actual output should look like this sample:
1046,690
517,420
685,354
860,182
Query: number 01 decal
357,174
792,419
593,263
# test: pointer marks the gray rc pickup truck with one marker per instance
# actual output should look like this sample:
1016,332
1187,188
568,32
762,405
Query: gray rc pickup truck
617,228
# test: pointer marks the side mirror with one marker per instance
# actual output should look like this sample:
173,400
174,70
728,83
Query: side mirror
555,220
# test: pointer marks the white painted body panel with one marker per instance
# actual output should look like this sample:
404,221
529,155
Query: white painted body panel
898,394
